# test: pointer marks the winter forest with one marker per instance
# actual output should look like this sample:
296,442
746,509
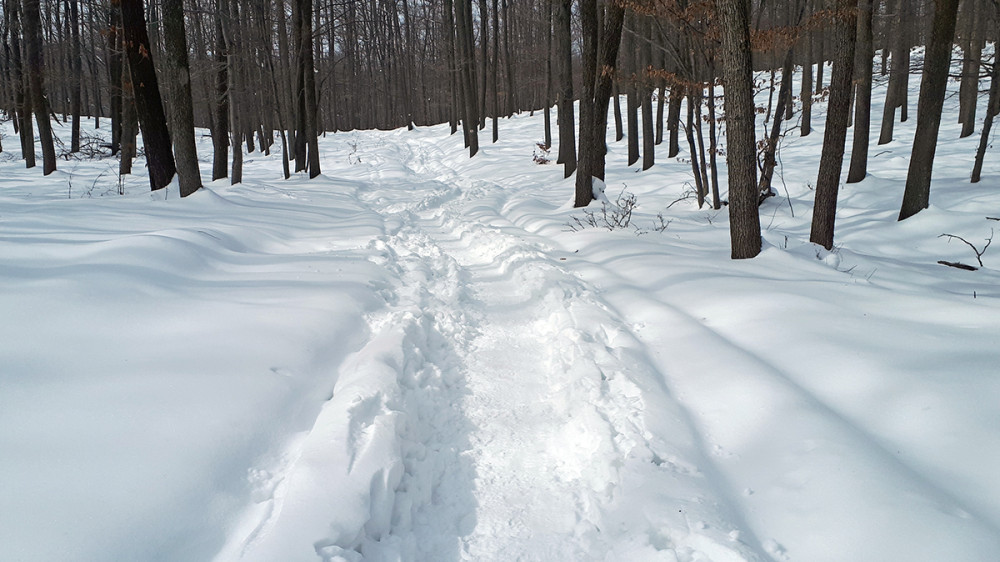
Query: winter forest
535,280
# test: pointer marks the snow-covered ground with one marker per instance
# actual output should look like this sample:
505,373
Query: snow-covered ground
414,357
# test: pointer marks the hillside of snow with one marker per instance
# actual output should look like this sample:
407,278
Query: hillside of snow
421,356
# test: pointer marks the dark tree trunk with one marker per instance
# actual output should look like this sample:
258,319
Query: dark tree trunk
309,85
895,95
182,109
564,60
76,75
600,50
699,184
148,105
969,92
129,127
806,92
713,141
673,121
660,102
767,170
495,70
863,98
741,149
512,100
36,72
470,122
22,99
832,158
984,139
937,58
483,58
220,132
449,45
300,90
616,108
115,70
549,6
632,96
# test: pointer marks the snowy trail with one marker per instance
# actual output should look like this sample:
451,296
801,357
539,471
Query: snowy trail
501,410
528,342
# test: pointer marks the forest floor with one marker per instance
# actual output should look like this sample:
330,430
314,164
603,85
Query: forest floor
422,356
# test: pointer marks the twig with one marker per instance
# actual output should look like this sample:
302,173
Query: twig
979,253
958,265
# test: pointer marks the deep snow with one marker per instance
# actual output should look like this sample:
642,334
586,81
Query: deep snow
414,357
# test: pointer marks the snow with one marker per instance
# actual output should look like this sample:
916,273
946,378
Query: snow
414,357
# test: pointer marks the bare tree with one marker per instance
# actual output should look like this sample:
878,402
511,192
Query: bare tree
937,58
863,96
148,104
185,152
36,72
741,151
600,53
838,112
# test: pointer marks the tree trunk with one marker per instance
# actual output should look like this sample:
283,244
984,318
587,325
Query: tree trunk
148,105
36,72
449,45
832,157
22,99
600,51
969,92
863,99
127,122
220,132
182,109
895,94
470,122
76,75
713,142
741,149
673,121
937,59
632,96
699,185
549,6
309,85
806,92
984,139
770,149
564,60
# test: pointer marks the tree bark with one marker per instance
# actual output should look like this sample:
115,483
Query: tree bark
148,104
937,59
76,75
741,149
470,122
564,60
600,53
22,98
984,138
36,72
185,152
220,131
863,97
838,111
309,84
895,95
673,120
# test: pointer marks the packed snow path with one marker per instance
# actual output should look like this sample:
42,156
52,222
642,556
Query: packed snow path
512,400
506,408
